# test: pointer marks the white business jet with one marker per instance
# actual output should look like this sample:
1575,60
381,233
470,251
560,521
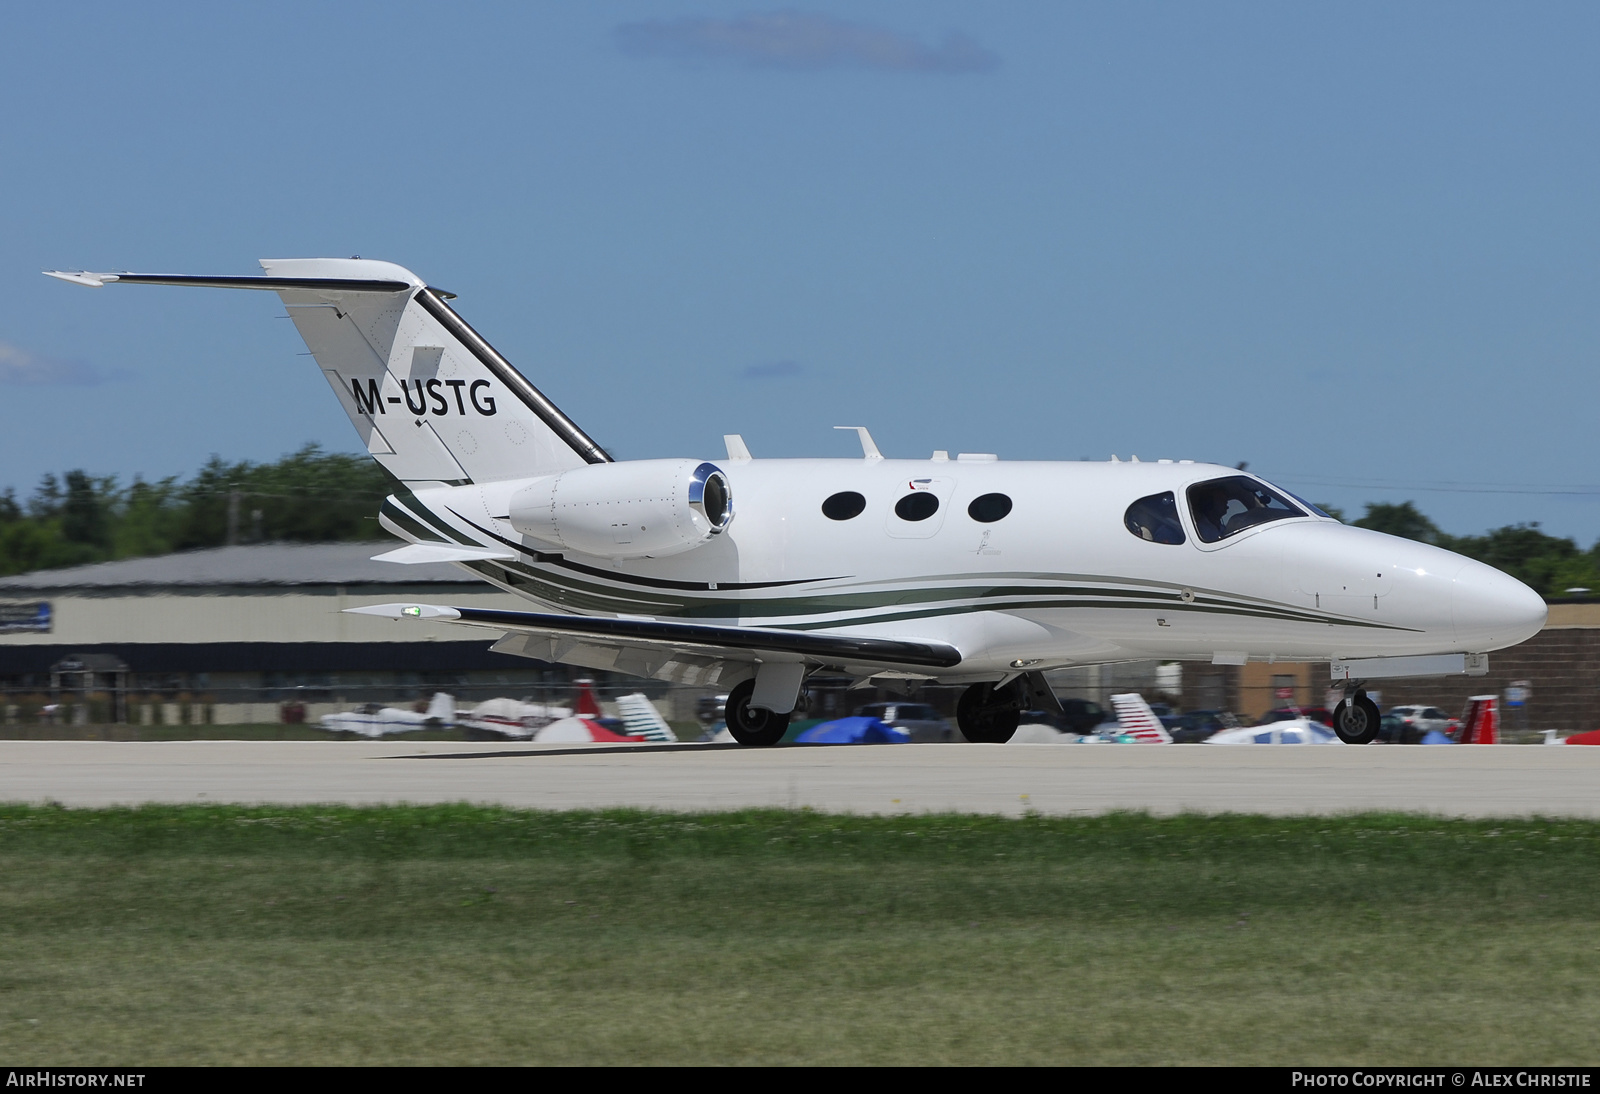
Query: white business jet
752,574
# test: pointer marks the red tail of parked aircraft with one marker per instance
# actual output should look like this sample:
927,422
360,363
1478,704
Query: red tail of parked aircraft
587,706
1481,724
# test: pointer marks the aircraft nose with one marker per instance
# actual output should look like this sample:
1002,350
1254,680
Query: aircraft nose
1492,610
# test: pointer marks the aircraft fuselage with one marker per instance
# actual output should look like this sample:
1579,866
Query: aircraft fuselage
1058,579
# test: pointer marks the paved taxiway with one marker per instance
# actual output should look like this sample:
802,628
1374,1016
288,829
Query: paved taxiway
1056,779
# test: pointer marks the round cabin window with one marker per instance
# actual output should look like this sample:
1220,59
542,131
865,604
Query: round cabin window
918,506
844,505
988,508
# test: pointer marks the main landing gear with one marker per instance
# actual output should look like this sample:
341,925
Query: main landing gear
751,725
1356,719
990,715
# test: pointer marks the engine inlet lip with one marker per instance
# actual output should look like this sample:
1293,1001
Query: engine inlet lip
710,496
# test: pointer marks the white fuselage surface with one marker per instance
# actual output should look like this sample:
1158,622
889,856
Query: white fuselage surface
1058,580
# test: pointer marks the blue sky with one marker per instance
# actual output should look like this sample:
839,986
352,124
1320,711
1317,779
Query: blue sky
1356,245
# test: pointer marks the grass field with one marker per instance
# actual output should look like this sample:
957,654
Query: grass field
472,935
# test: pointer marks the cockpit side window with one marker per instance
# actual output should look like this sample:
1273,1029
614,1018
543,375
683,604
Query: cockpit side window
1226,507
1155,519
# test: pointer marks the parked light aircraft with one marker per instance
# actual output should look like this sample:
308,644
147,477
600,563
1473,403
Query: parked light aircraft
373,720
583,725
511,717
1291,731
753,574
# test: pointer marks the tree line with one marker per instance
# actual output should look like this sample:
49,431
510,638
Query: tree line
1553,566
312,496
309,496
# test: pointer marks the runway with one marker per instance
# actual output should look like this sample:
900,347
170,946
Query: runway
1487,781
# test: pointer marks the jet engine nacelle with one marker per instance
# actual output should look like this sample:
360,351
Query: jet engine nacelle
636,509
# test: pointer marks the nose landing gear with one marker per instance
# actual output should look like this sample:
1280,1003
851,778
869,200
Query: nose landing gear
1356,719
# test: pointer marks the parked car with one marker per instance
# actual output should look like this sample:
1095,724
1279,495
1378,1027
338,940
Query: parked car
1196,725
1081,715
1077,716
1416,721
710,709
1392,730
919,720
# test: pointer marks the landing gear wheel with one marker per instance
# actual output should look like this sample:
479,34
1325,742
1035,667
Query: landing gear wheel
987,716
750,725
1356,720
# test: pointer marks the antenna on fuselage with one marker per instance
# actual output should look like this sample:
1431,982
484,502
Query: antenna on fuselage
869,448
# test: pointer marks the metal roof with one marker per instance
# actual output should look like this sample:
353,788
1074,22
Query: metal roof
258,564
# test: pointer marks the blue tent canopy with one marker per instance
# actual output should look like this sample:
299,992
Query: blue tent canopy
853,731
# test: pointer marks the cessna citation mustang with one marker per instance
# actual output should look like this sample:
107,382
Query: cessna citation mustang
752,575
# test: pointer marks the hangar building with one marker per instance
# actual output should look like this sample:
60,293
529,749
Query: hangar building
237,634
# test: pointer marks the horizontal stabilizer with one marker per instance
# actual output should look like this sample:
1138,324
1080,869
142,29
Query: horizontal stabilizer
723,641
200,281
413,553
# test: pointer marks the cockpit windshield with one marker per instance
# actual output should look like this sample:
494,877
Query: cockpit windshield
1226,507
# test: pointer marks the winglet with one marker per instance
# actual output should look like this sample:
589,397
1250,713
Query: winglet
83,277
406,611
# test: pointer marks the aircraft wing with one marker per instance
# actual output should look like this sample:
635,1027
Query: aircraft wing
690,653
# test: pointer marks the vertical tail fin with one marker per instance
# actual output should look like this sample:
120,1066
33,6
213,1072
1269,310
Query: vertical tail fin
443,708
1481,724
432,401
586,706
1138,720
641,719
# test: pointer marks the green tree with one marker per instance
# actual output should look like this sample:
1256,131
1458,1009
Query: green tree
86,510
150,518
1548,564
308,496
27,545
1403,520
46,500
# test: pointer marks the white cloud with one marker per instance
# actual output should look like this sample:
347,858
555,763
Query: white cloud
19,366
800,40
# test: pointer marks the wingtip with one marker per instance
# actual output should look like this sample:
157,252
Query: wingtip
405,611
82,277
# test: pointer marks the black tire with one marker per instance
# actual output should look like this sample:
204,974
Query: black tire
986,716
1356,721
750,725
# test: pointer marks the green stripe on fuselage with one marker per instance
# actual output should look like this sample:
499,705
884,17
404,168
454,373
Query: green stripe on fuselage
558,588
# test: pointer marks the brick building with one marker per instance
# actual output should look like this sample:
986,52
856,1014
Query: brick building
1560,664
